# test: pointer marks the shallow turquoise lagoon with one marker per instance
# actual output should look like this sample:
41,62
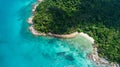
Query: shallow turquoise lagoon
19,48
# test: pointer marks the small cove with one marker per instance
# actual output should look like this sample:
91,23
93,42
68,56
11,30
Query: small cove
19,48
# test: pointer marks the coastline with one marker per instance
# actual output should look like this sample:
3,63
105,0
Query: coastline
93,56
33,31
100,61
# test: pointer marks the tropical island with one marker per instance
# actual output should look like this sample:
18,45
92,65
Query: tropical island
98,18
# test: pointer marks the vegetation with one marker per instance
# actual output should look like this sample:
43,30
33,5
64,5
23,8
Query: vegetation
99,18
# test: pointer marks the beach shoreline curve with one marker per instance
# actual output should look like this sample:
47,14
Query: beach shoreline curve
93,56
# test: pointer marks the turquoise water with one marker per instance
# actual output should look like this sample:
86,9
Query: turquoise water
19,48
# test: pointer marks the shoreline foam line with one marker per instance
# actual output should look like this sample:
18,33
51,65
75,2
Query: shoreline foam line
94,56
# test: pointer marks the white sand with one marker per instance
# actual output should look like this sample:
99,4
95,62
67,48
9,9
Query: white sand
93,56
50,34
30,20
87,37
36,32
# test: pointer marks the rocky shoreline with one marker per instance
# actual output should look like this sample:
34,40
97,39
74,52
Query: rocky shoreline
31,28
93,56
100,62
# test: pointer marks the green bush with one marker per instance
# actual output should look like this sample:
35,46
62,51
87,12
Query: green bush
98,18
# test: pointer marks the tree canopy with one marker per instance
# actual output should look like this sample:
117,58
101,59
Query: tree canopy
99,18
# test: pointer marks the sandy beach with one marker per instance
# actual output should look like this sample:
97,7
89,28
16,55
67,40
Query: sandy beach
94,56
51,34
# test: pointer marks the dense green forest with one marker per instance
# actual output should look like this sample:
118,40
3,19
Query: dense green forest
98,18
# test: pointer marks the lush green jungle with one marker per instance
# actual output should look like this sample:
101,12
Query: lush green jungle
98,18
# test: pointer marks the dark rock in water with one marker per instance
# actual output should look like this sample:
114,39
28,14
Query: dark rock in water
61,53
69,57
46,55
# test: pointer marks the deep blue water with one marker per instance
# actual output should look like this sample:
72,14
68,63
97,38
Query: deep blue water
19,48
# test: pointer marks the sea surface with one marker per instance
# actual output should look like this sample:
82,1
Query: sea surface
19,48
